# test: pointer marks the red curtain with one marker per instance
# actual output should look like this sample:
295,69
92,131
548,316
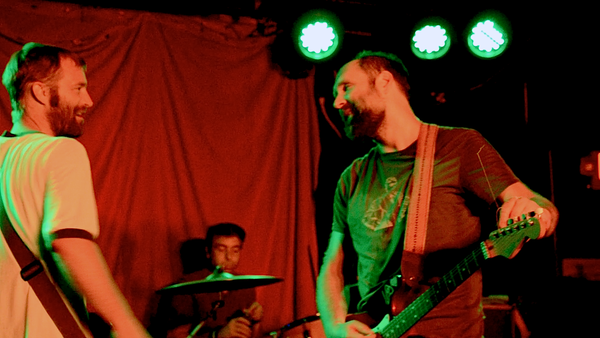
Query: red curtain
192,125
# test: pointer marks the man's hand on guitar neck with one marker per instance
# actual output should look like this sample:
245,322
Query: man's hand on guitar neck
351,329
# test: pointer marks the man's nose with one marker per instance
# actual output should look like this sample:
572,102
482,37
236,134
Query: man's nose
87,100
339,102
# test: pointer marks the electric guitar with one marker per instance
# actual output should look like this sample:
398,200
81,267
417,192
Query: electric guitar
502,242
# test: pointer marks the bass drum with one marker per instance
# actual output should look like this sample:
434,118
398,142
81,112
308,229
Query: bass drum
308,327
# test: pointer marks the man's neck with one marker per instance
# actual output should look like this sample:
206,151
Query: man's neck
27,126
398,132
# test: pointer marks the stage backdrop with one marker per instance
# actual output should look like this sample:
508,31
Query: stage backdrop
192,125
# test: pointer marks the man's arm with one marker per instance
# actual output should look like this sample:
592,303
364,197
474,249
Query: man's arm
518,199
331,303
83,264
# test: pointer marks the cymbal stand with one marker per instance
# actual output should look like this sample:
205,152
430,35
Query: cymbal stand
215,305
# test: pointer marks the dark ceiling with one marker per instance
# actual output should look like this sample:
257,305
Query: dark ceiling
359,16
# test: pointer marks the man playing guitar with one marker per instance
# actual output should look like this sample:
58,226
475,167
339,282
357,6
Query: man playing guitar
372,202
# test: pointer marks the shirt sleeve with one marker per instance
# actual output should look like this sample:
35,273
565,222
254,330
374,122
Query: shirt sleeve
483,170
340,204
69,200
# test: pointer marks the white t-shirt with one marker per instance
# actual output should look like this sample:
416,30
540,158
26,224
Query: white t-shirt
45,186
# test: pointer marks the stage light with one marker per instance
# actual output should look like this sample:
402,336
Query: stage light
431,38
590,166
488,35
318,35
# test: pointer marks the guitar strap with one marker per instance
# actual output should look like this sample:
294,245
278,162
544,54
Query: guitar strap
418,210
32,271
411,267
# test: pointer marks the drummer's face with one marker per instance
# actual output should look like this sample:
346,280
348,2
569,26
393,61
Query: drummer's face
225,252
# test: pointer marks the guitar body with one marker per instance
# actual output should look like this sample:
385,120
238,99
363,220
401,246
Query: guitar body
409,304
404,296
400,300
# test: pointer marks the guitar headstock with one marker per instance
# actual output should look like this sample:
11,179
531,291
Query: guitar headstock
506,241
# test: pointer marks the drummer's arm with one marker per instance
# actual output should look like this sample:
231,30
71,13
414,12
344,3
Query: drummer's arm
255,314
256,330
331,302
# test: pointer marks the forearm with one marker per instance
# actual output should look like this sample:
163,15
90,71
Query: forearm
330,285
256,330
331,303
83,263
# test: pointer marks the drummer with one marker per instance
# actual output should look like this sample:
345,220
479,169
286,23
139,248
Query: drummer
239,315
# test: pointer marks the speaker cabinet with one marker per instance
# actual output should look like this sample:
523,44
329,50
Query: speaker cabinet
502,319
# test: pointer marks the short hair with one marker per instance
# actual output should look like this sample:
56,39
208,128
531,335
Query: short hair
374,63
224,229
34,62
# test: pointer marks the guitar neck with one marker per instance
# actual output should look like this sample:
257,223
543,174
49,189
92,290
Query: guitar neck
435,294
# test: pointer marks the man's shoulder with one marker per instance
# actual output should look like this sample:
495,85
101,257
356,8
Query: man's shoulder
361,162
447,131
455,136
43,140
45,147
62,146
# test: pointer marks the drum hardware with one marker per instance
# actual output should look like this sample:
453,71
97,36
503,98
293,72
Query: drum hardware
215,305
219,281
307,327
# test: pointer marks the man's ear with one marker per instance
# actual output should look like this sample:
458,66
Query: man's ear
40,93
384,81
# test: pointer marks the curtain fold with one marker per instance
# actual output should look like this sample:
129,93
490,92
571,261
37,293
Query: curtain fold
192,125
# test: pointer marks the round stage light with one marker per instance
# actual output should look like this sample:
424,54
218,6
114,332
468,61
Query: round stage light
318,34
431,38
488,35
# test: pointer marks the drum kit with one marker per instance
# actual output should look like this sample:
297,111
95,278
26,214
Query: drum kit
222,281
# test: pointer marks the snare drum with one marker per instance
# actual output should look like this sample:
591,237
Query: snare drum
308,327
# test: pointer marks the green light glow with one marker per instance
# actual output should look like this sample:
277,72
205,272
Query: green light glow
318,41
318,37
430,42
488,35
318,34
430,39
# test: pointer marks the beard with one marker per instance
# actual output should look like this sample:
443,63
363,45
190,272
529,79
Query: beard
63,118
363,122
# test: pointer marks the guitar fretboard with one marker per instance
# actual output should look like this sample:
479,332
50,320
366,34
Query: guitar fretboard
435,294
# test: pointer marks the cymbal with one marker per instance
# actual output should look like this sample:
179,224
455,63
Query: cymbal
219,282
